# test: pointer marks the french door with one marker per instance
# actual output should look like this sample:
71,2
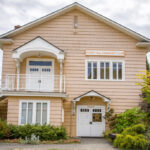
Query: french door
90,121
40,75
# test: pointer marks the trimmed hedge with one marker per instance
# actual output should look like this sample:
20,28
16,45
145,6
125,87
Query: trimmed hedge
45,132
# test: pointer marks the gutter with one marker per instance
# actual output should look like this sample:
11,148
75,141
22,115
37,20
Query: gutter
143,44
6,41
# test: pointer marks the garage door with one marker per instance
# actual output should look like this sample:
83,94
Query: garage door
90,121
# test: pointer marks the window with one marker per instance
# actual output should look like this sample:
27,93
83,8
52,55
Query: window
105,70
96,117
84,110
32,112
92,70
40,63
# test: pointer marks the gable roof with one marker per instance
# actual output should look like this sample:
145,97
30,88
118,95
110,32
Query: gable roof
38,37
83,9
92,93
35,46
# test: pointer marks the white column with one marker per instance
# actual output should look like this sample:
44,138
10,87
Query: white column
18,73
61,75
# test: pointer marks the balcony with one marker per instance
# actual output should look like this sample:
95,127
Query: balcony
33,84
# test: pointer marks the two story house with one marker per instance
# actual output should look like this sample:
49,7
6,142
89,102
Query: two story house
69,68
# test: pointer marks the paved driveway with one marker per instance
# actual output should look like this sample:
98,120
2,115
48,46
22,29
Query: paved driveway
86,144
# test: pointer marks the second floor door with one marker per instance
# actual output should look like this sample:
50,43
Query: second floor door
40,75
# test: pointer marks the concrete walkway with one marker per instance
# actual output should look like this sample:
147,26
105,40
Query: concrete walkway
86,144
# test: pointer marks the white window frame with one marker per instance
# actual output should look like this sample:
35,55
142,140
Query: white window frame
98,70
34,110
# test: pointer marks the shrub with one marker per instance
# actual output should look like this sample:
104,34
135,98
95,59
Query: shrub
45,132
147,135
110,117
128,142
127,119
4,131
132,138
136,129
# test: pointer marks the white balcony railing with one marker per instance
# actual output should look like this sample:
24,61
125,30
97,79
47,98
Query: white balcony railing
29,82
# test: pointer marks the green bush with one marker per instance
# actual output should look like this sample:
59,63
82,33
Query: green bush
129,142
4,131
132,138
127,119
136,129
45,132
147,135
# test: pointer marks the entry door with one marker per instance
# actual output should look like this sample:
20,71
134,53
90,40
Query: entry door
90,121
40,76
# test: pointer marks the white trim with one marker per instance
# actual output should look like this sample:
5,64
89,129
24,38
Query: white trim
35,47
104,53
34,110
91,93
105,60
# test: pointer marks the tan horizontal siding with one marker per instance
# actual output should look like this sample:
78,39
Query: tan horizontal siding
55,109
91,35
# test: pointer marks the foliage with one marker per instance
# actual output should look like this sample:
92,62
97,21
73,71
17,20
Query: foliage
132,138
31,140
3,129
147,135
147,65
106,135
45,132
121,121
110,117
145,77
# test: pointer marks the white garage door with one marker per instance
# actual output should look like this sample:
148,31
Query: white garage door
90,121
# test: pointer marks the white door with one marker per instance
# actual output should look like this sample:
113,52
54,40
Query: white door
90,121
40,75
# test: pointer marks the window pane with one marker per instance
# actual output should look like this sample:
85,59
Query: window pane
23,113
38,113
114,70
89,70
40,63
96,117
94,70
107,70
119,71
30,110
102,70
44,113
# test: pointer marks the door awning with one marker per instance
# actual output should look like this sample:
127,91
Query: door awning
91,93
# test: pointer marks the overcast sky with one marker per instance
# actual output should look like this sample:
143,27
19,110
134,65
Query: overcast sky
134,14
